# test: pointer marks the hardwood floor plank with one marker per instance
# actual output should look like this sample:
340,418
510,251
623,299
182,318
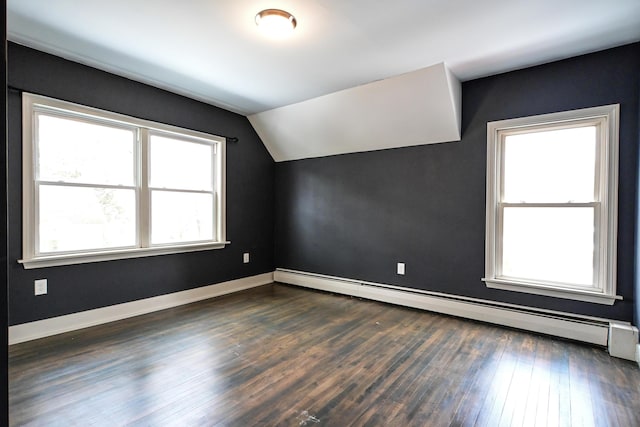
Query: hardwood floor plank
544,367
285,356
485,354
514,409
496,392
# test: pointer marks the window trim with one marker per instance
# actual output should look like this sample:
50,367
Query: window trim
30,259
605,215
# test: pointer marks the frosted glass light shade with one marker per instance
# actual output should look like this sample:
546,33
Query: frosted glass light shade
275,22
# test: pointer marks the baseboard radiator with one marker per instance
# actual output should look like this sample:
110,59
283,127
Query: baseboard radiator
617,336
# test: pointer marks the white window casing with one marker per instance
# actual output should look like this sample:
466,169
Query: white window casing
602,288
35,106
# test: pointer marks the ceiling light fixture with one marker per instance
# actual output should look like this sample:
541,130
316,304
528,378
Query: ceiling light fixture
275,22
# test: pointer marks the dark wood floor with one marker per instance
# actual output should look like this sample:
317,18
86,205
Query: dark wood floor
284,356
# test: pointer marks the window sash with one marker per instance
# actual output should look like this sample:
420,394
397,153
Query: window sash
34,105
39,111
598,124
596,283
37,244
148,147
186,192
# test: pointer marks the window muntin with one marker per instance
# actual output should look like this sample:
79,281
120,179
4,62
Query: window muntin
99,185
552,204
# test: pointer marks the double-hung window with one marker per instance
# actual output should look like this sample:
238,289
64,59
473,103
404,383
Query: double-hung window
99,186
552,204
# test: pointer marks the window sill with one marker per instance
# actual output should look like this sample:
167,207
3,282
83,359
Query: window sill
547,290
71,259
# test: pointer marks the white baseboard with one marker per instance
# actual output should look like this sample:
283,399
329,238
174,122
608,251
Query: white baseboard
581,328
57,325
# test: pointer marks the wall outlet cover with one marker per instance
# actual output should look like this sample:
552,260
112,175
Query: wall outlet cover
400,269
40,287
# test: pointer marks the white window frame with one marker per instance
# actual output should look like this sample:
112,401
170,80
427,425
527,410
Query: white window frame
32,104
606,119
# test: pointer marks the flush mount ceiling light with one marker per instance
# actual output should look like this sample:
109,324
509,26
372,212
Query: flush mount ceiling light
276,22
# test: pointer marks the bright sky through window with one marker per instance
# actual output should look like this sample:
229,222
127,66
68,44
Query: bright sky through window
547,167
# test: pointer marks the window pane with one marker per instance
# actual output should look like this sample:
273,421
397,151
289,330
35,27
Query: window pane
75,218
551,166
181,217
179,164
549,244
80,152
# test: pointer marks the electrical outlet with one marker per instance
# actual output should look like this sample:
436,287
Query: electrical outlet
40,287
400,269
245,257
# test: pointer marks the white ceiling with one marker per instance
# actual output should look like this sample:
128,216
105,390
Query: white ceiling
211,50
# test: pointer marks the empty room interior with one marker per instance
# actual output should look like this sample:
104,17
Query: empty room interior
340,213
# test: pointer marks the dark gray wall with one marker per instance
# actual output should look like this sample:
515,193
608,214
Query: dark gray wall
250,177
637,265
4,331
356,215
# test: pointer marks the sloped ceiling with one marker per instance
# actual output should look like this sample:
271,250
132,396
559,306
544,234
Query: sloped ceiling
420,107
211,50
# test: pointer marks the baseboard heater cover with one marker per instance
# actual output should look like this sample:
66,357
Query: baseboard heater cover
565,325
71,322
617,336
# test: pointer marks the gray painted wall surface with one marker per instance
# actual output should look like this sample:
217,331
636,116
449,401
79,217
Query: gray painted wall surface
250,177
